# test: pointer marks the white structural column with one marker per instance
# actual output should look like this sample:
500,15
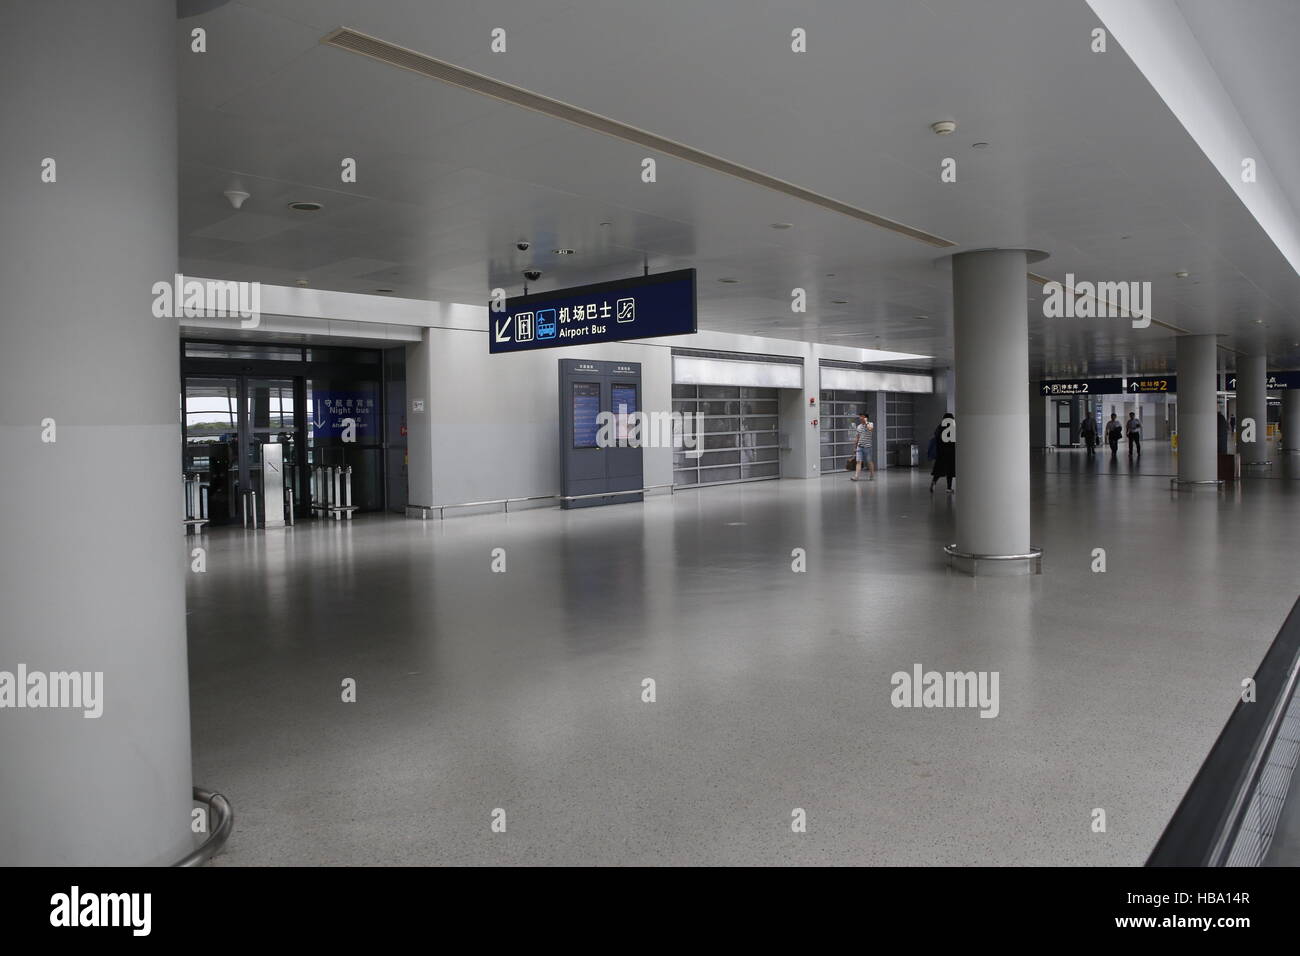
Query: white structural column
94,768
991,338
1291,419
1252,403
1198,416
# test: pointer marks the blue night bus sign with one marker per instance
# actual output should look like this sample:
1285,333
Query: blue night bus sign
640,308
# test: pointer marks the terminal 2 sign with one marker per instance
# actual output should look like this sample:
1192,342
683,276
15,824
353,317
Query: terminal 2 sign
640,308
1110,386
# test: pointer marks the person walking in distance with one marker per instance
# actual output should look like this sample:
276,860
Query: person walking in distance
862,448
1133,429
945,451
1113,430
1088,433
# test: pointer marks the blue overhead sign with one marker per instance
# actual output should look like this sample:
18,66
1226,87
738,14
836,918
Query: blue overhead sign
1277,381
1156,383
639,308
1083,386
1109,386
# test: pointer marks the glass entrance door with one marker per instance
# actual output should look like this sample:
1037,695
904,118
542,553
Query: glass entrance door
210,443
271,405
1064,424
227,420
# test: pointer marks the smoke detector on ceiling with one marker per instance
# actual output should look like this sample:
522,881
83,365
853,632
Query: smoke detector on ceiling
943,127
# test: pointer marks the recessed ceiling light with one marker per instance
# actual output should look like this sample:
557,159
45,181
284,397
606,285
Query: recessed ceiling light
384,291
729,281
782,225
943,127
840,301
1181,275
920,318
979,145
607,223
830,275
1126,237
305,206
563,252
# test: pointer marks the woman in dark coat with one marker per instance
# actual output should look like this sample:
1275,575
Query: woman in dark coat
945,451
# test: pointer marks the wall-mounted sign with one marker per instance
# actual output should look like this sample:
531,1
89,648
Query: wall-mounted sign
331,409
639,308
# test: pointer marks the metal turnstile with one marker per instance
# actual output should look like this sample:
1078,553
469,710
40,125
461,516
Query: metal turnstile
196,503
331,491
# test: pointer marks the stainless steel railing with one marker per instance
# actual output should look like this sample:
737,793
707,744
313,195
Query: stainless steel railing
506,502
221,821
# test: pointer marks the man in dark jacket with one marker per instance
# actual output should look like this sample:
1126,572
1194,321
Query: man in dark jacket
945,452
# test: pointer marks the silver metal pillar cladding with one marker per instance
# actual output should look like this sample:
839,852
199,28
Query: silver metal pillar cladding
991,337
1252,403
1198,408
1291,419
93,771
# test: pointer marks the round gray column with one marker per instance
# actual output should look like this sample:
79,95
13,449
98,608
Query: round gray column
1291,419
991,351
94,558
1252,402
1198,408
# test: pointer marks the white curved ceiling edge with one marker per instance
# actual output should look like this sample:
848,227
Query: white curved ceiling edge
1159,41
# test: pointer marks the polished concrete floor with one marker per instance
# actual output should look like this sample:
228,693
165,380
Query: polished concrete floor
522,690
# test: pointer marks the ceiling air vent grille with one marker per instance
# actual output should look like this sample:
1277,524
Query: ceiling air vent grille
385,52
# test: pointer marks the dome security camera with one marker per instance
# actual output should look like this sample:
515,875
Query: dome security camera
523,245
532,275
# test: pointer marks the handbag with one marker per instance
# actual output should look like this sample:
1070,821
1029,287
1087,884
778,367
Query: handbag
850,464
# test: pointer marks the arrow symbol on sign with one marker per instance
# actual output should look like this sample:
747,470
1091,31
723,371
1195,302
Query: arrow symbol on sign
318,425
1133,387
1046,388
503,329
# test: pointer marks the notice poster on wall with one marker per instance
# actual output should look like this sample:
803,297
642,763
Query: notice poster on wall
331,409
586,414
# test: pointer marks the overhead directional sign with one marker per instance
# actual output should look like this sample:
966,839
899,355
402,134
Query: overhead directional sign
1109,386
1083,386
1277,381
1158,383
639,308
